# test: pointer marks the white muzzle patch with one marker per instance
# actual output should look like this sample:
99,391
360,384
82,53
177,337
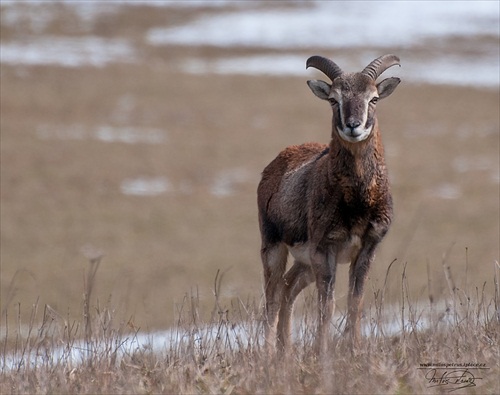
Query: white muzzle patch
354,135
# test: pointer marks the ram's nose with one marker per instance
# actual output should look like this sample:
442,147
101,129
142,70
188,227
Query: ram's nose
352,124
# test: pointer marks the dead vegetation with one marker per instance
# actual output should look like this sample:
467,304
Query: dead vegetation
226,354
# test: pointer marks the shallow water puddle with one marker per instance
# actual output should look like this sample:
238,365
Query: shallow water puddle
130,135
224,184
67,51
277,29
480,164
145,186
447,191
321,24
226,181
104,133
436,70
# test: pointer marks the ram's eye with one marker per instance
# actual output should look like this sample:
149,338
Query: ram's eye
332,101
374,100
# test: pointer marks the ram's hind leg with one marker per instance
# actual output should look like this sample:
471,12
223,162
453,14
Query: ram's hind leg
274,261
297,278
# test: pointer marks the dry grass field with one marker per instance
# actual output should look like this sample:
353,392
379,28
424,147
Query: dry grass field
434,351
76,140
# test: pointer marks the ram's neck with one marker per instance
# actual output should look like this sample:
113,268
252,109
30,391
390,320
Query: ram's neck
357,164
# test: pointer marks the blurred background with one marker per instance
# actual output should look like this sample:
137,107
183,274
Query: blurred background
137,131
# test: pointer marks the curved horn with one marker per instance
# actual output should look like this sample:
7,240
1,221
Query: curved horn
327,66
379,65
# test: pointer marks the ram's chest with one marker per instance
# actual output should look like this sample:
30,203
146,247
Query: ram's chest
353,214
350,215
356,197
355,192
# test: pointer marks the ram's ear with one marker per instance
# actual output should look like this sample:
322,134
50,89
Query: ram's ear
320,88
387,86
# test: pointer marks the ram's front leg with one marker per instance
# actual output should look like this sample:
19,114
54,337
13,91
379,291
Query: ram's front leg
324,268
358,272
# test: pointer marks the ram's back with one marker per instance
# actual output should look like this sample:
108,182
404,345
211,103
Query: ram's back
282,193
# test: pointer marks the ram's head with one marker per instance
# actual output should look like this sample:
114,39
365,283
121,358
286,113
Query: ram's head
353,96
